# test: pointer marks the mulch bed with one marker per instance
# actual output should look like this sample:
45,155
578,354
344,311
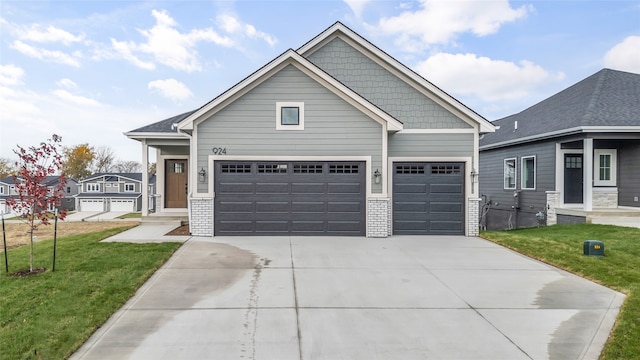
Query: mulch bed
26,272
180,231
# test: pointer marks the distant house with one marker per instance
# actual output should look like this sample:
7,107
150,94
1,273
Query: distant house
572,157
335,138
7,190
111,192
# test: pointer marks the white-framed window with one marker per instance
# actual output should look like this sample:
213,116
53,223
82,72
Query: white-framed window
528,176
128,187
289,116
93,187
604,167
510,173
1,190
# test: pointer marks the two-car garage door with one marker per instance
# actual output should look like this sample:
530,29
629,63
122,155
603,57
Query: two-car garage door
329,198
289,198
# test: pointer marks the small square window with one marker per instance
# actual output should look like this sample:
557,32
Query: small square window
289,116
129,187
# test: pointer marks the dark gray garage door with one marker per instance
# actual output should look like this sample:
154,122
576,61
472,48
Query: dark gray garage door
289,198
428,198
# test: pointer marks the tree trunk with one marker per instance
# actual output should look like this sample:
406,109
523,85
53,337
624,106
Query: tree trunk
31,250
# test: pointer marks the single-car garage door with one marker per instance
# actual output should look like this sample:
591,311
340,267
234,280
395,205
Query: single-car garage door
122,205
289,198
428,198
91,205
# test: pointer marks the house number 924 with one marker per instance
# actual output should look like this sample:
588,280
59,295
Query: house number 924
219,151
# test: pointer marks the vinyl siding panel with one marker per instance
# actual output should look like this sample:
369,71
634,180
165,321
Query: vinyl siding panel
629,174
501,215
383,88
332,127
433,145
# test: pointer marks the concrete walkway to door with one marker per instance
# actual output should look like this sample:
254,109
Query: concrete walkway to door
417,297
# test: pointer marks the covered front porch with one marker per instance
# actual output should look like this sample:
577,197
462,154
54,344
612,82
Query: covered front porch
596,181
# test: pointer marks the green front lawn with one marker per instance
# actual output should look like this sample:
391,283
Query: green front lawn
132,215
562,246
49,315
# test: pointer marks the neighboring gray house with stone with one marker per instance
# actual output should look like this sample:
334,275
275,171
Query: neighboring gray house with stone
335,138
573,157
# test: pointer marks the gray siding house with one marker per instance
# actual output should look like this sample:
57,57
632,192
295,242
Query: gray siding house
7,190
335,138
118,192
573,157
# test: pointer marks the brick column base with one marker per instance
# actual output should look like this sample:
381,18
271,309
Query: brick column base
201,219
473,217
378,217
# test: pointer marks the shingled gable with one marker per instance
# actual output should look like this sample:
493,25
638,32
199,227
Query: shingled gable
166,127
607,101
290,57
394,66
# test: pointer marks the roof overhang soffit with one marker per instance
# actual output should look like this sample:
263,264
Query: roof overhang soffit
398,69
290,57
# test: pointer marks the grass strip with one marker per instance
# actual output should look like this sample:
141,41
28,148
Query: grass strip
562,246
49,315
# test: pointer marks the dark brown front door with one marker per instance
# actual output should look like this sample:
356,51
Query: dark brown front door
175,188
573,178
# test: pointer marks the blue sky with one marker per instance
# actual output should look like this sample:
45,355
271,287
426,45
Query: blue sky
91,70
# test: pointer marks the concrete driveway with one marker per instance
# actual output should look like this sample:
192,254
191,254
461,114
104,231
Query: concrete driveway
308,298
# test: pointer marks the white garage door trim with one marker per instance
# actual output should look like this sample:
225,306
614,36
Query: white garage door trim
91,205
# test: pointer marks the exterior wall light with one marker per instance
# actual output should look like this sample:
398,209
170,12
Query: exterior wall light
202,175
377,176
474,177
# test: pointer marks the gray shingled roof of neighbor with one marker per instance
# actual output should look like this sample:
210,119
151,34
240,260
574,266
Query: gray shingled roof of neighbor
163,126
606,98
132,176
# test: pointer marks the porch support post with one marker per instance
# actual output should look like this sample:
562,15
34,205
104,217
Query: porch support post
145,178
588,175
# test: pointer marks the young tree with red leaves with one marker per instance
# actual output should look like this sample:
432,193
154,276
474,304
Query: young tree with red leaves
35,197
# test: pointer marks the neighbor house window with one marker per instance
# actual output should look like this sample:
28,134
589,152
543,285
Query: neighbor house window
129,187
93,187
289,116
528,164
604,167
509,173
1,190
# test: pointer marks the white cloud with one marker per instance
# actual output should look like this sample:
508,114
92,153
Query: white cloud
171,88
10,74
50,34
46,55
624,56
166,45
124,51
439,21
67,83
75,99
232,25
485,78
357,6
